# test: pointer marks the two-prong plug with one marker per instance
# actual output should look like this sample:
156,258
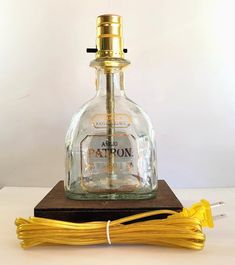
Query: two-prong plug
201,211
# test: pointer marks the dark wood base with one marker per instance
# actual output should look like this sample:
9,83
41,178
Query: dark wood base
56,206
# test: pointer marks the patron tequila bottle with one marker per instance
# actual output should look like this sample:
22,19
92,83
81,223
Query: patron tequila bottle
110,145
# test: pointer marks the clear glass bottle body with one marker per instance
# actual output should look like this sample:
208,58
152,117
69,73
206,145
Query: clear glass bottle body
110,146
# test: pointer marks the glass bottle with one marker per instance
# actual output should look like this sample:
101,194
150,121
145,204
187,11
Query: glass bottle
110,144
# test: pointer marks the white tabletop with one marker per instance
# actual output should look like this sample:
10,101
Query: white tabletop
19,202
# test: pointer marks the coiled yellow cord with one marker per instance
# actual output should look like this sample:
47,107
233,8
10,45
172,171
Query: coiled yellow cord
183,229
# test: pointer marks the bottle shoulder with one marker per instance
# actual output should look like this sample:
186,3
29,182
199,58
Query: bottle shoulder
122,104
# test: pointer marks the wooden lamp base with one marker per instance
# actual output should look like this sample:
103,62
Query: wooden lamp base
56,206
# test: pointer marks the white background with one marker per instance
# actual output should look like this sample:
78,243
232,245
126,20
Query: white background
182,74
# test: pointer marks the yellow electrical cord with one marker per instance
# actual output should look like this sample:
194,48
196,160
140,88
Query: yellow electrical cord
179,229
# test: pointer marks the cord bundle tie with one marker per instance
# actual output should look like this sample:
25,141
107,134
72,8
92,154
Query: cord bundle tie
108,233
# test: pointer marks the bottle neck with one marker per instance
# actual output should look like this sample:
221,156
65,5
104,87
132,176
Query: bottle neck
107,82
